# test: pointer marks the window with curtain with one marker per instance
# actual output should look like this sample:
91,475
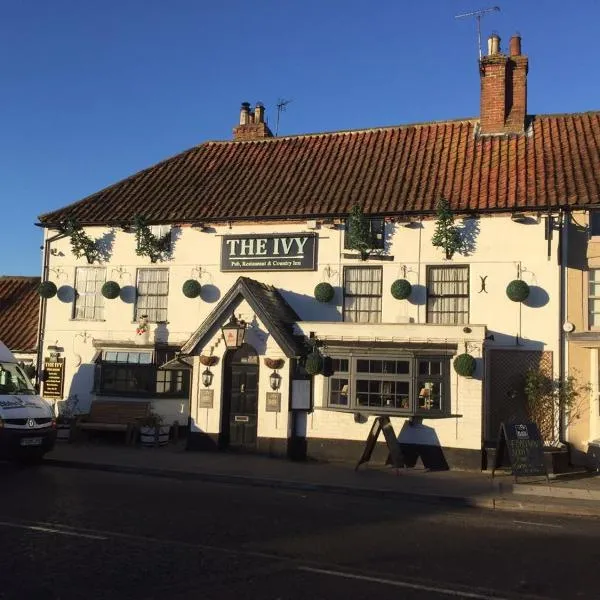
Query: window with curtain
152,294
362,294
448,295
594,298
89,301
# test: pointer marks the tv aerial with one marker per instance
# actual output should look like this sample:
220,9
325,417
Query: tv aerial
478,14
281,104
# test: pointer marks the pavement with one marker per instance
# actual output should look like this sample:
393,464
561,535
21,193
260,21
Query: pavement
573,494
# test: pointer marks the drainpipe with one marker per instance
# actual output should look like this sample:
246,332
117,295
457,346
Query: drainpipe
41,328
563,367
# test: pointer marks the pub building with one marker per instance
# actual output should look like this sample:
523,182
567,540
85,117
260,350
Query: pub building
225,285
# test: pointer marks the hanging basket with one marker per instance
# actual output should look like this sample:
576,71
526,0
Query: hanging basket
208,361
324,292
111,290
274,363
517,290
314,363
401,289
465,365
191,288
47,289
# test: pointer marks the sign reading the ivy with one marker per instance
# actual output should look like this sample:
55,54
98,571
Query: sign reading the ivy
54,378
286,252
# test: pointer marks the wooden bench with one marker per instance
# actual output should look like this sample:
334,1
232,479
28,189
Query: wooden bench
115,415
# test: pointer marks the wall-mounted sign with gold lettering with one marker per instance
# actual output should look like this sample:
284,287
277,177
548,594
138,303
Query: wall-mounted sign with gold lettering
273,402
285,252
54,378
205,399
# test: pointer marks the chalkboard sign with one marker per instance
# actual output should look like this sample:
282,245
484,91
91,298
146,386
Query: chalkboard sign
523,444
382,424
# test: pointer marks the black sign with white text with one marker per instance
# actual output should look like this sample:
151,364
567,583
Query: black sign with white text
285,252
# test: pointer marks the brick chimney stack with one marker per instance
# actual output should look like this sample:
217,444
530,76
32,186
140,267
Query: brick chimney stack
503,88
252,124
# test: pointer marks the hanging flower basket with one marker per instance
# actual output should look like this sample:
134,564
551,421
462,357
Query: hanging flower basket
111,290
314,363
517,290
47,289
208,361
191,288
465,365
401,289
274,363
324,292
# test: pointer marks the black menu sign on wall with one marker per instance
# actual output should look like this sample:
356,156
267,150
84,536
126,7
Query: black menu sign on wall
523,445
269,252
54,378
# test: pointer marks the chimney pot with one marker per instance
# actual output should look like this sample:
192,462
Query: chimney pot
259,113
493,44
515,45
244,113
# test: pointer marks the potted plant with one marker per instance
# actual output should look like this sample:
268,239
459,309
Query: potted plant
66,418
152,430
447,234
274,363
208,360
142,331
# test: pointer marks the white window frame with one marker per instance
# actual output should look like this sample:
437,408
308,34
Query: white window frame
373,314
152,294
88,304
448,296
591,281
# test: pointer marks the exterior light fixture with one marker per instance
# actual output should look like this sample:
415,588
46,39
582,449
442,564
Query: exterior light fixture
207,377
275,380
234,332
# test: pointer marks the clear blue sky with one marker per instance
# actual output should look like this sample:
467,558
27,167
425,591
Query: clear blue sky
92,92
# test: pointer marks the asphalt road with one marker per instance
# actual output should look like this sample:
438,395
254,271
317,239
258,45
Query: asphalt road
74,534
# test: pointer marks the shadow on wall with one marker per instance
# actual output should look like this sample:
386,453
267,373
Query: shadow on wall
210,293
82,386
497,339
161,333
418,295
537,298
197,439
309,309
421,441
469,232
66,293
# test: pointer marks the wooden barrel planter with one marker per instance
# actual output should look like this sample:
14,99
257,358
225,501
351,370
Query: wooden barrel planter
154,436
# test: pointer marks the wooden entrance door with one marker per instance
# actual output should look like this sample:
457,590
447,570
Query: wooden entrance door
240,401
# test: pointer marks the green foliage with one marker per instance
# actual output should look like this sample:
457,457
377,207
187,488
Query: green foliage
517,290
324,292
28,369
47,289
81,243
446,234
152,419
111,290
549,400
465,365
401,289
191,288
147,244
359,233
314,363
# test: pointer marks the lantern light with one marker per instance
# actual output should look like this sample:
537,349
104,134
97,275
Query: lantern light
234,332
207,377
275,380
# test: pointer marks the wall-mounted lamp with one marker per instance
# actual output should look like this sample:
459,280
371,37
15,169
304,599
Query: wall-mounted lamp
275,380
207,377
234,332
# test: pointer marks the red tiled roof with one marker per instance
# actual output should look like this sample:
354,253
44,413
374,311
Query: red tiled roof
393,170
19,310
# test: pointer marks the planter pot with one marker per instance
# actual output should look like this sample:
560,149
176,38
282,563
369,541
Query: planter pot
143,338
63,432
154,436
556,460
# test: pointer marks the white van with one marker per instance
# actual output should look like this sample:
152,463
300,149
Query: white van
27,423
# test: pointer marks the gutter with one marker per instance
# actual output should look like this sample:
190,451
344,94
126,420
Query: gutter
563,358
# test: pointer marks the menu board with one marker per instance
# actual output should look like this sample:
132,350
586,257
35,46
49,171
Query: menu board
54,378
523,444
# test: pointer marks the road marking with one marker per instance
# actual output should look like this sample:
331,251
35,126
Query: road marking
52,530
539,524
404,584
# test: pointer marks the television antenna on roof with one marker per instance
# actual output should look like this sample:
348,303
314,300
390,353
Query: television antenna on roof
281,104
478,14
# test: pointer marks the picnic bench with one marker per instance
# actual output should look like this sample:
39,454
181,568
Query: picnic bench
115,415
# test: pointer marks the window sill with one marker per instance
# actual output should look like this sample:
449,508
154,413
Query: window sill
370,257
391,413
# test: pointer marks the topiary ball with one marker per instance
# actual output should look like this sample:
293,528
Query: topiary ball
191,288
47,289
324,292
111,290
517,290
465,365
314,363
401,289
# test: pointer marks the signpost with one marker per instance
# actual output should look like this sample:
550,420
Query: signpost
54,378
523,444
382,424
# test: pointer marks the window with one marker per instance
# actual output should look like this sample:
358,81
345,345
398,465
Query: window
153,293
408,384
362,294
377,230
595,222
130,373
89,302
594,298
448,295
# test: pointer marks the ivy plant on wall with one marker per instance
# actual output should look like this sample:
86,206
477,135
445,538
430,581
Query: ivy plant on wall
447,234
81,243
147,244
359,233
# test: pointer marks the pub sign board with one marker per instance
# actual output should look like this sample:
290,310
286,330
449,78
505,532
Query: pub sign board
269,252
525,449
54,378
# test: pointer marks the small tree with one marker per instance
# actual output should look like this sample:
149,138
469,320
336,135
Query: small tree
359,233
446,234
548,400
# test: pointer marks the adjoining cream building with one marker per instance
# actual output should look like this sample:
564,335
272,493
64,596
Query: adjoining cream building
259,222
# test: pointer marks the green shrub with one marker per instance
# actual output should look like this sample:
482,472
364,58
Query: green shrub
324,292
111,290
191,288
517,290
47,289
314,363
464,364
401,289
